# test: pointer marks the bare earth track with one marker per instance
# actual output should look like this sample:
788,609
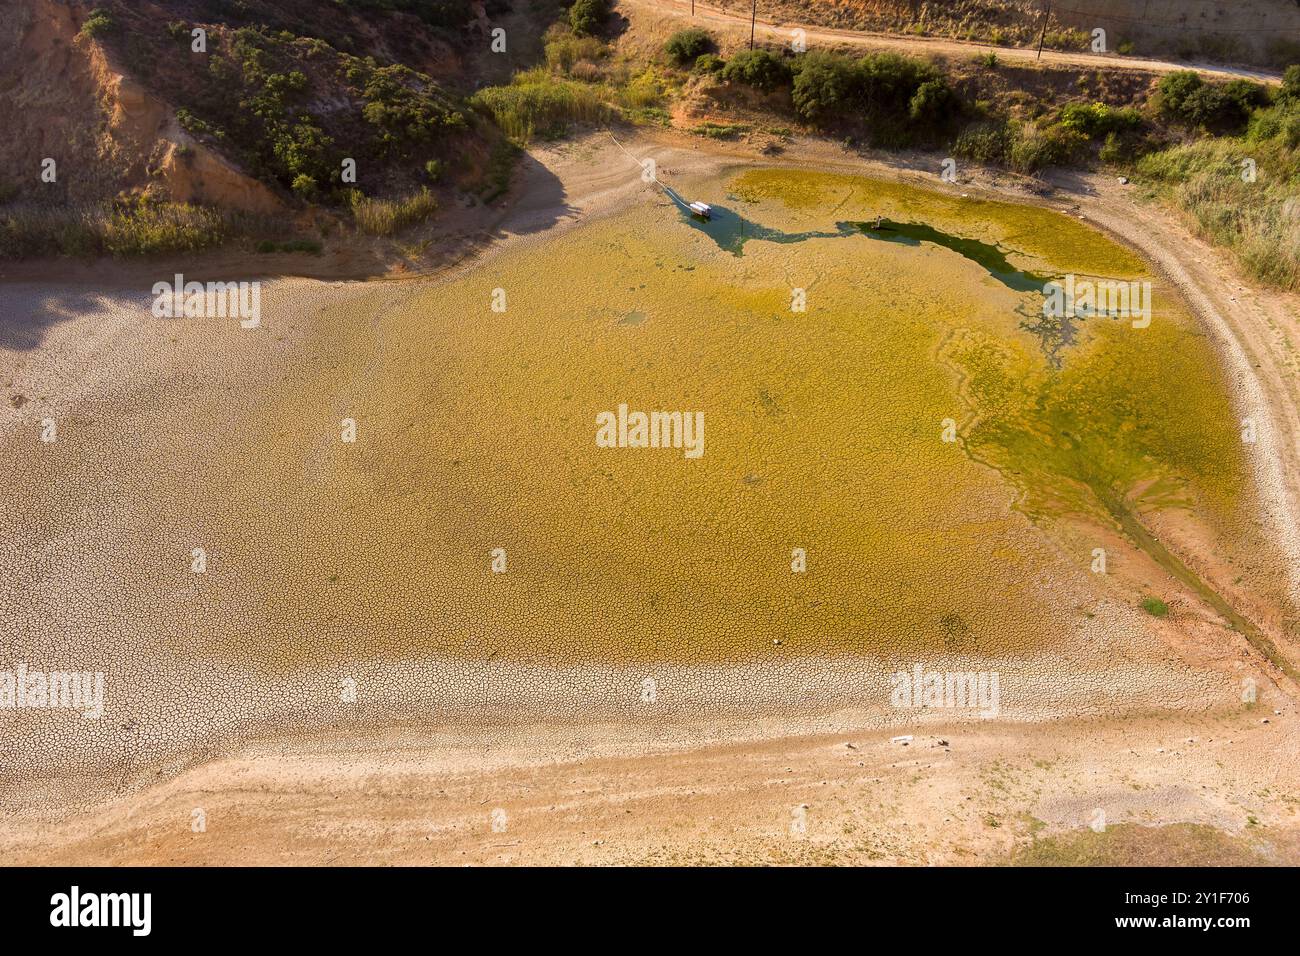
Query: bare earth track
720,20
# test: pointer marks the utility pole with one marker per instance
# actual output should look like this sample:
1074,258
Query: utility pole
1047,12
692,7
753,17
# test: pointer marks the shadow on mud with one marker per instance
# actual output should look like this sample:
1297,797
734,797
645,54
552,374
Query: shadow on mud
36,295
27,311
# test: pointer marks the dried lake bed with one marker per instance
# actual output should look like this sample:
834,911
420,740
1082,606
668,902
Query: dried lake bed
353,581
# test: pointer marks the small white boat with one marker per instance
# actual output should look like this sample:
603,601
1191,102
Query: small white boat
702,209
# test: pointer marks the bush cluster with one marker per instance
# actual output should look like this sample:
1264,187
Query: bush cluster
587,17
1218,107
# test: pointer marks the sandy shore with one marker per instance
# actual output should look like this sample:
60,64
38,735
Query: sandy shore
317,781
599,794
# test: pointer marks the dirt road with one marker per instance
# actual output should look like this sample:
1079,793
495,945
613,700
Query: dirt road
721,20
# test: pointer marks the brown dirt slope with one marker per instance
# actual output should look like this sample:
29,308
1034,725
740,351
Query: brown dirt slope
117,93
66,101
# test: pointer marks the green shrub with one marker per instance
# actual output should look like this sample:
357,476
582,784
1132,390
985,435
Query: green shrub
1186,98
761,69
709,63
1036,147
403,112
1274,122
1291,83
930,101
1244,96
901,98
588,16
825,84
1204,106
192,124
687,46
1175,88
99,22
890,80
433,170
1155,607
1213,108
1098,119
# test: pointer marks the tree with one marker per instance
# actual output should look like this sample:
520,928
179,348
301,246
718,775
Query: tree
930,101
686,46
823,85
890,80
588,16
1175,88
760,69
1291,83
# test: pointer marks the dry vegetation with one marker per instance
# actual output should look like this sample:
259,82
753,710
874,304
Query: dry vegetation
131,227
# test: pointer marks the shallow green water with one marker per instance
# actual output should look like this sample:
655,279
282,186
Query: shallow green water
991,257
731,231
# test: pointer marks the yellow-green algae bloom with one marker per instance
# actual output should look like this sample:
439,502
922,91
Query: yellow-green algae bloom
824,432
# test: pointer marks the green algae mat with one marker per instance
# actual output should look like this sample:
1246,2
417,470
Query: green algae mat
890,438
